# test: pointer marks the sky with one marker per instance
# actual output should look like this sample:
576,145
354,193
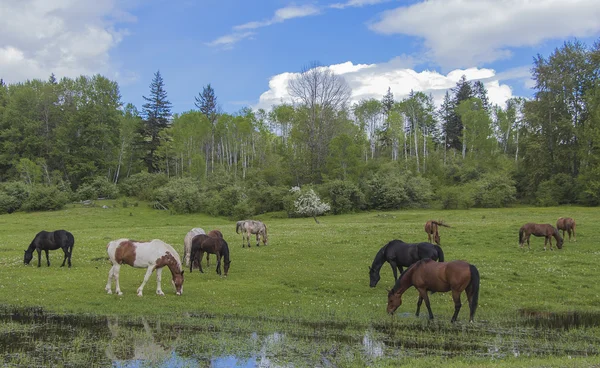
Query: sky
249,50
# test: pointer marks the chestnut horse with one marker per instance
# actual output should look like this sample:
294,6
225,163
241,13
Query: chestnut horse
546,230
209,244
153,255
215,234
431,228
566,224
427,275
45,241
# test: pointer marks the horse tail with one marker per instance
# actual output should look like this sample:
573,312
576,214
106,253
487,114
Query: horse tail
521,231
441,223
474,285
237,227
440,253
70,242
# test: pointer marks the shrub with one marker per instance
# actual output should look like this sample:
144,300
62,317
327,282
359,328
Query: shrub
264,198
456,197
8,204
385,193
344,196
493,190
85,192
308,203
45,198
419,191
142,185
546,194
180,195
16,193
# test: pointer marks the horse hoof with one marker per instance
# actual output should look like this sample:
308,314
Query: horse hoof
140,294
119,293
160,293
109,291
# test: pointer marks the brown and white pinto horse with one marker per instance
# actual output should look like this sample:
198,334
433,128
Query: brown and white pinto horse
431,228
153,255
566,224
546,230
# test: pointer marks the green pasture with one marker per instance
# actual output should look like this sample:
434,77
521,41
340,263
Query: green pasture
314,277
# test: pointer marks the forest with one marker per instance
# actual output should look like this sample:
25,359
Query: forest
74,139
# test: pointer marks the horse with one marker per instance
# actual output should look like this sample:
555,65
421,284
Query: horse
431,228
215,234
45,240
153,255
427,275
566,224
400,254
187,243
209,244
249,227
546,230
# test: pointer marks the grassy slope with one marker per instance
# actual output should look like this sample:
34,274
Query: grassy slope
308,272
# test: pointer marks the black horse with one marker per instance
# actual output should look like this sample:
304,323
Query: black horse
45,241
400,254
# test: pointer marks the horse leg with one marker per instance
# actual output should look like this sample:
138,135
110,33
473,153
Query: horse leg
116,269
200,261
257,239
419,302
457,304
39,252
574,236
393,265
66,251
109,282
218,263
207,261
146,278
423,294
47,257
158,280
70,254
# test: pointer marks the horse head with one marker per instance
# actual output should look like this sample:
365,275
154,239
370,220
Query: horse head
373,276
178,282
226,267
28,257
394,301
436,238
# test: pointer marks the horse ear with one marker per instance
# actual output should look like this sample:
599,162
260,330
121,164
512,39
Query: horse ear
182,272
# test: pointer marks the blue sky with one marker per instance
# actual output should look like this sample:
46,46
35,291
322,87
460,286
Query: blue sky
248,50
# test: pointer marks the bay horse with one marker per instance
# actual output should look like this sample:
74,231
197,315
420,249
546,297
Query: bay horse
431,228
153,255
400,254
215,234
427,275
546,230
187,243
209,244
46,240
249,227
566,224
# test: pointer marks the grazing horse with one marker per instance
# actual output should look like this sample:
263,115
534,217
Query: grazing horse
427,275
45,241
431,228
400,254
153,255
249,227
566,224
209,244
187,243
215,234
546,230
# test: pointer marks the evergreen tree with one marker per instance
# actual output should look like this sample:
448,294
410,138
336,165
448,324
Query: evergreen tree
453,127
207,103
481,93
388,102
156,112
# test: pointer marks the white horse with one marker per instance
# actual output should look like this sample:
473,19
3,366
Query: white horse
249,227
153,255
187,244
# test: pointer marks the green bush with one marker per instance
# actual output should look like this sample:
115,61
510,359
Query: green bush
264,198
16,193
419,191
180,195
386,192
45,198
142,185
456,197
343,196
546,194
8,204
493,191
85,192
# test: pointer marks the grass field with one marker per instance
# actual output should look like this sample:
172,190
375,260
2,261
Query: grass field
536,307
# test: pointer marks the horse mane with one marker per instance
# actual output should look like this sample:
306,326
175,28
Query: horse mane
174,253
557,233
225,250
411,269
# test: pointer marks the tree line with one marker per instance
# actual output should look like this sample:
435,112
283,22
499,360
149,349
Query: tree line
76,139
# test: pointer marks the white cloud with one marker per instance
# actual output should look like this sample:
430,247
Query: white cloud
64,37
372,81
280,16
460,33
356,3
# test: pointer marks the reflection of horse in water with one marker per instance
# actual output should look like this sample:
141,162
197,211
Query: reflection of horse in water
128,344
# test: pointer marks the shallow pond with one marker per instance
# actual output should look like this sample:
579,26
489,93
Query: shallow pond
32,337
